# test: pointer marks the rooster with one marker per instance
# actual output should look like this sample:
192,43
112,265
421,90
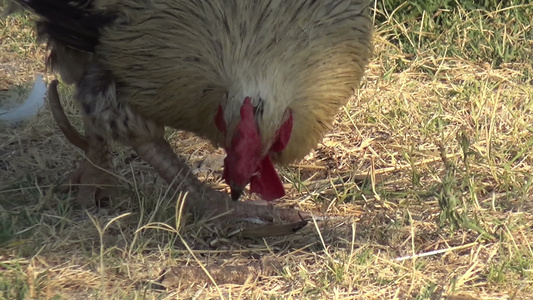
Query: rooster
262,79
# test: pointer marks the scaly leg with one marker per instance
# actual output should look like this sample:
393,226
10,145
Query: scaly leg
160,155
91,175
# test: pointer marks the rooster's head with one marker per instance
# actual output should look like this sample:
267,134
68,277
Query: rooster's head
249,148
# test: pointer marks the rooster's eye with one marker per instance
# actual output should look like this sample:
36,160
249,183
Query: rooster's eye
259,108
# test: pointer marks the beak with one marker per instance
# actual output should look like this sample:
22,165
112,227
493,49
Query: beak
236,193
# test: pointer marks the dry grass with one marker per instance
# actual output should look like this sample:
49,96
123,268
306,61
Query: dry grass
446,141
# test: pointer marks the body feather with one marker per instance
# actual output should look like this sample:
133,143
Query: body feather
175,62
305,55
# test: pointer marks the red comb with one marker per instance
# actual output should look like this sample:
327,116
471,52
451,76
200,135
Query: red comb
243,164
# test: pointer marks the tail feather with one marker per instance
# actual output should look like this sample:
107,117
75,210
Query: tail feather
75,23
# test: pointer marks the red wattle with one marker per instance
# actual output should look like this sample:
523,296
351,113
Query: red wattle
267,183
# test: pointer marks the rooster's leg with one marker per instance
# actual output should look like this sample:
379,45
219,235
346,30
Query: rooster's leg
91,176
160,155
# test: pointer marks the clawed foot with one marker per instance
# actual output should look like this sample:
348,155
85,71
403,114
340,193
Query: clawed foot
94,182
